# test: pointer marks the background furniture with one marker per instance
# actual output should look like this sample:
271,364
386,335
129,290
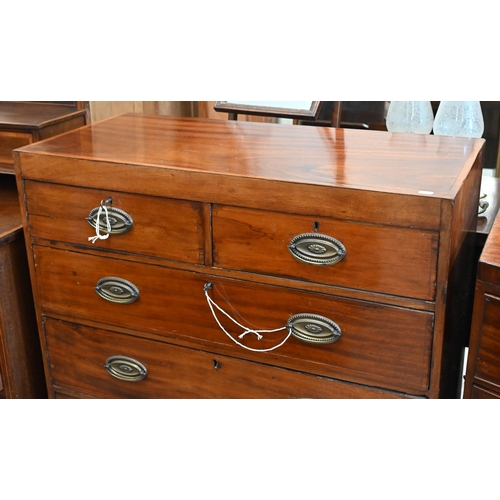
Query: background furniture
21,367
352,114
303,230
483,367
348,114
99,110
25,122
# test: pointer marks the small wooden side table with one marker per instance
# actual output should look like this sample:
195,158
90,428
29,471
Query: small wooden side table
21,366
25,122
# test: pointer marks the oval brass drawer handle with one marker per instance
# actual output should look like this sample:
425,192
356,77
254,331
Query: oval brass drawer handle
317,249
314,329
124,368
117,290
120,221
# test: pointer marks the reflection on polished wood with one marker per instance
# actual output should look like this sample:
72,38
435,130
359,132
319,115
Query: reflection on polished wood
371,160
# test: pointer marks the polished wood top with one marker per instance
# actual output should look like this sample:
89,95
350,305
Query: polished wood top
32,116
358,159
10,213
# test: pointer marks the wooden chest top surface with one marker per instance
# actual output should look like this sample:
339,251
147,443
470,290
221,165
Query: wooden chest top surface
362,160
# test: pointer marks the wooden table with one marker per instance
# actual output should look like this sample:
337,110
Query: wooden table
21,368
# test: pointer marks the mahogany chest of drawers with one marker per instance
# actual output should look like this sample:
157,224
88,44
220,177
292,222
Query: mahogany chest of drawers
483,367
194,258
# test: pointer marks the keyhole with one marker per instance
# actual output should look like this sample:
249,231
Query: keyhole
215,364
316,226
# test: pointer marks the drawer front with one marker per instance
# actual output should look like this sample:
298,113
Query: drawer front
10,141
160,227
488,362
79,355
481,393
379,344
384,259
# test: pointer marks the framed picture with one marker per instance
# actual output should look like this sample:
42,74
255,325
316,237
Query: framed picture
298,110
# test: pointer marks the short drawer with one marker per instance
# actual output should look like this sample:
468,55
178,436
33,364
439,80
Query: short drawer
159,227
106,364
391,260
10,141
379,344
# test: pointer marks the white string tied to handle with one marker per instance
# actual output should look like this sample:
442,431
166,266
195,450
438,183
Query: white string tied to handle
98,235
246,330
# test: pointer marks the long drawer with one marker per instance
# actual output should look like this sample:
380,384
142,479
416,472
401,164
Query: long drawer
392,260
112,365
159,227
376,345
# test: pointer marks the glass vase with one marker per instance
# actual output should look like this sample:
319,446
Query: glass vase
459,119
411,117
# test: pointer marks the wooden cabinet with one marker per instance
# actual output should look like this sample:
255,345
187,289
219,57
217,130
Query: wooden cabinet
21,367
483,367
180,257
25,122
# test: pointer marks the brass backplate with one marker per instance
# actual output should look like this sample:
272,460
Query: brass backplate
317,249
314,329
